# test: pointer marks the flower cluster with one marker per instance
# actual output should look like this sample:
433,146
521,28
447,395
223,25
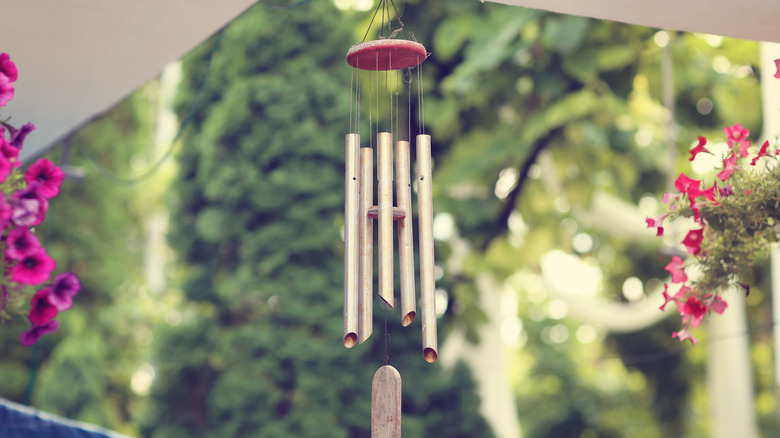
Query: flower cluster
24,202
736,218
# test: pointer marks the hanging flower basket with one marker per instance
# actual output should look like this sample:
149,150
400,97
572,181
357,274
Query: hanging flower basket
24,202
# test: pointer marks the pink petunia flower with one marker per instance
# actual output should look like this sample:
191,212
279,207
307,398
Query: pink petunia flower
46,176
42,311
9,152
729,166
29,207
761,153
65,287
685,334
33,269
31,336
718,304
6,90
21,243
693,241
699,148
677,269
7,67
736,135
777,64
726,190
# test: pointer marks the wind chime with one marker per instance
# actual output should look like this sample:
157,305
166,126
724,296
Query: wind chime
384,65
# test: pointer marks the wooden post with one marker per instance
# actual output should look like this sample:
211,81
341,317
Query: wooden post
386,403
351,240
403,193
425,220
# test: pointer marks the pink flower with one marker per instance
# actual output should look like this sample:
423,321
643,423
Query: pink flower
698,148
667,298
9,152
677,269
42,311
667,197
8,68
761,153
653,222
693,241
46,176
735,135
692,310
777,64
685,334
5,212
718,304
5,168
710,193
21,243
65,287
6,90
29,207
31,336
729,166
33,269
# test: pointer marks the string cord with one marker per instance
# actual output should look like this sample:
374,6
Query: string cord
388,350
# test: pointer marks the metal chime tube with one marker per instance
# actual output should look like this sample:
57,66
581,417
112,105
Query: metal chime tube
403,193
385,216
425,220
366,252
351,211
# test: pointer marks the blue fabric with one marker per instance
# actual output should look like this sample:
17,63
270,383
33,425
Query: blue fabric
19,421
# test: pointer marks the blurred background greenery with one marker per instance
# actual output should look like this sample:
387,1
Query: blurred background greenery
211,302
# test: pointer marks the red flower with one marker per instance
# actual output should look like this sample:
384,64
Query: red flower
710,193
761,152
31,336
729,166
7,67
42,311
33,269
777,64
46,177
693,311
21,243
677,269
687,185
698,148
693,241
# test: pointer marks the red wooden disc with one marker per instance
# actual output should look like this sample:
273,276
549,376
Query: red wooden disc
386,55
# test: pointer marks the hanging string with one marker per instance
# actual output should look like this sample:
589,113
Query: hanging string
351,93
408,78
397,87
372,19
421,103
370,108
388,351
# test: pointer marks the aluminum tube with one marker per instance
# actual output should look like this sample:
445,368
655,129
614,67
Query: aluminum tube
352,164
385,216
425,225
403,193
366,252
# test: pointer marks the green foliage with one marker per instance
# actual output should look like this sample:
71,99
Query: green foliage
257,215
